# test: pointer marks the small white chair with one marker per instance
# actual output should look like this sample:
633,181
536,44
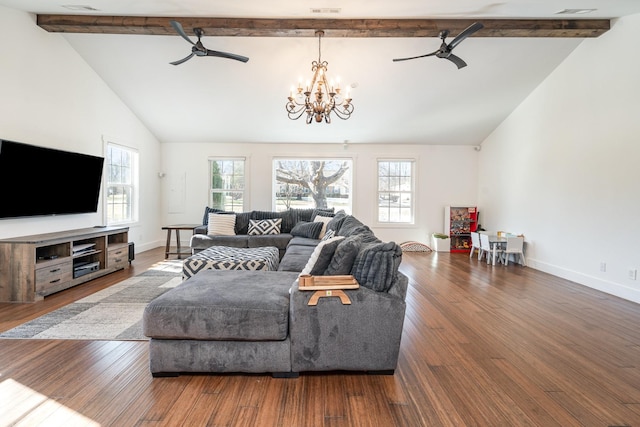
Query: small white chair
475,244
515,245
485,247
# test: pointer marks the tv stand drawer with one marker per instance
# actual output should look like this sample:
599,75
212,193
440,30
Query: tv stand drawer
53,277
118,258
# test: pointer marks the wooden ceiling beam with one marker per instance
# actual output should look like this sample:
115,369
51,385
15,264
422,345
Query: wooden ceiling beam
248,27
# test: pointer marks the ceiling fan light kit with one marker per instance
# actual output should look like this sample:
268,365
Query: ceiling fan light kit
319,97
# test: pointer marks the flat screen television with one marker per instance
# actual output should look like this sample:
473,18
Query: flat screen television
37,181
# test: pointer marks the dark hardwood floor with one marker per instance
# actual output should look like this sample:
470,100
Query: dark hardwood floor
482,346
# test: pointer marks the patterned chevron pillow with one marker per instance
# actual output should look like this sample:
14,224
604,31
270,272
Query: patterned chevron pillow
264,226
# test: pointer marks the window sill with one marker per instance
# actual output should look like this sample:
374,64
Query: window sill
123,224
395,225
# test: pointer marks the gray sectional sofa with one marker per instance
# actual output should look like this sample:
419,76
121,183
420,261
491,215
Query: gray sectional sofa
260,321
242,239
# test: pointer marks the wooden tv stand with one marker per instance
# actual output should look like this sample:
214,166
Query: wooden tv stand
32,267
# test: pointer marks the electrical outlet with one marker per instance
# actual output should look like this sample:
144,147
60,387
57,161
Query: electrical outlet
633,274
603,266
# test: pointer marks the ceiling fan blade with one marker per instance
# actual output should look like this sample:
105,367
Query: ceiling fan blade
227,55
466,33
415,57
178,27
182,60
457,60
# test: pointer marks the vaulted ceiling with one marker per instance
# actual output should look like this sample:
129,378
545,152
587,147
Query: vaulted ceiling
422,101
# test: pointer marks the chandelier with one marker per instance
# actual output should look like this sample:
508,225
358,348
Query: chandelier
319,98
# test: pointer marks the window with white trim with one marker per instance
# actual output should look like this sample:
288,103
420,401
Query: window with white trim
312,183
395,191
121,199
227,184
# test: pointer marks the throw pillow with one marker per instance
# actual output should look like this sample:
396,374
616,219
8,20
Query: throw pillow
329,234
321,257
207,211
310,230
303,214
242,222
310,213
376,265
289,220
348,226
344,256
221,224
323,212
264,226
324,220
337,220
287,217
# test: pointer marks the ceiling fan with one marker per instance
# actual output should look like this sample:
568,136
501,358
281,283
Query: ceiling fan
198,49
446,49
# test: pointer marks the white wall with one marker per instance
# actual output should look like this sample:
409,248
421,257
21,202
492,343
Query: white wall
564,168
445,175
50,97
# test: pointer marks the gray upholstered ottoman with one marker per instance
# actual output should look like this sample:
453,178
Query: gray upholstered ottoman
228,258
222,321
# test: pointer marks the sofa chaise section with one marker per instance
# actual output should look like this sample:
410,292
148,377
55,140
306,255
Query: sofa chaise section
222,321
260,322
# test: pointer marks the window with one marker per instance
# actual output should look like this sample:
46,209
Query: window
227,184
312,183
122,184
395,191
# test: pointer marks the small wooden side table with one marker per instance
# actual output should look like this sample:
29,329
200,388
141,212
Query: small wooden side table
177,228
327,286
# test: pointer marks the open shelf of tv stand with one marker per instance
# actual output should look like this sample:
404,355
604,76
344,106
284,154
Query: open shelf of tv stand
85,254
42,264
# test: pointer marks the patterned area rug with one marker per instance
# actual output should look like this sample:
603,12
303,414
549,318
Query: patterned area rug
114,313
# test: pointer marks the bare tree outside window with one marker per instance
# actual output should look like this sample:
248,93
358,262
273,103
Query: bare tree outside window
314,183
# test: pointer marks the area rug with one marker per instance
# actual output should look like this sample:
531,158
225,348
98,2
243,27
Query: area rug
115,313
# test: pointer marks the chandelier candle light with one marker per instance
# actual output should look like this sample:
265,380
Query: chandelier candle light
319,98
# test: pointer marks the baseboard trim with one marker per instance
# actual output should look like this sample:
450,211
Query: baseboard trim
141,247
616,289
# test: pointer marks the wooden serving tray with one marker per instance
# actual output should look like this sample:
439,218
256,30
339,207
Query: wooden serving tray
321,283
